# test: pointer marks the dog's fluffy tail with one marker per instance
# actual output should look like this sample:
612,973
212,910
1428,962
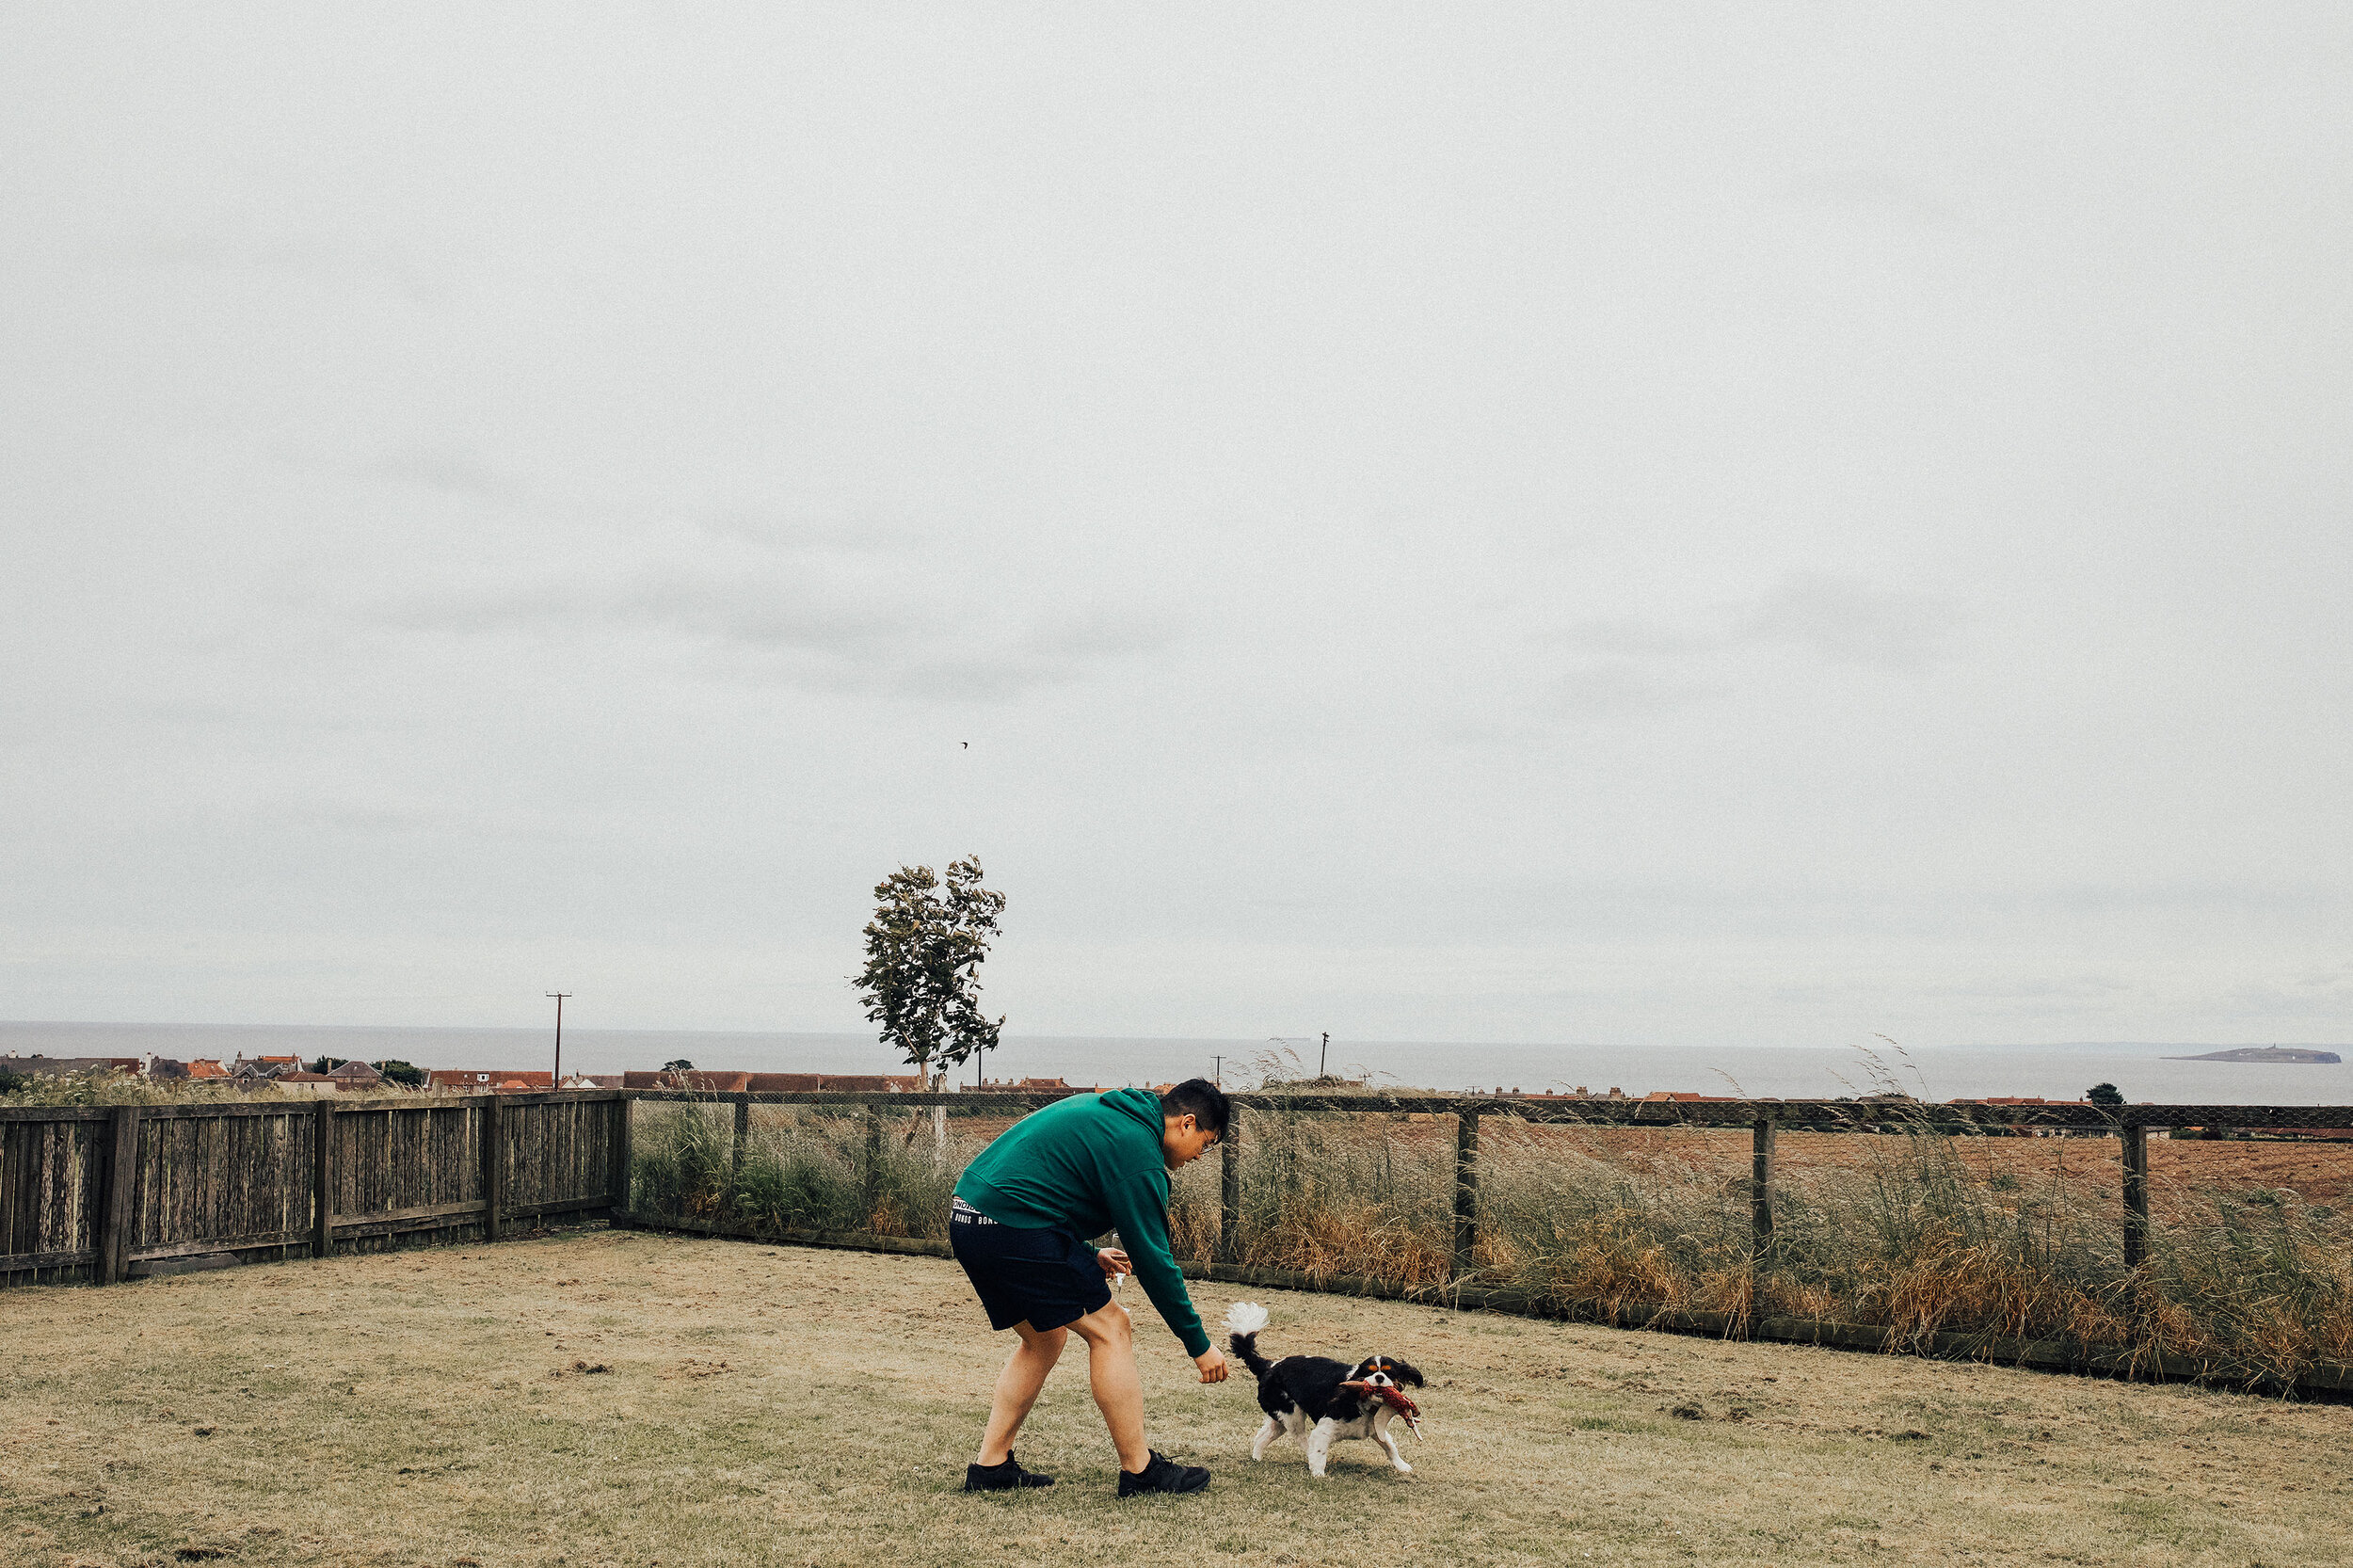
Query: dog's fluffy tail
1243,1319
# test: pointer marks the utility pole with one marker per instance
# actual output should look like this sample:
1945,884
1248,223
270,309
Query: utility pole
559,996
1323,1060
1218,1077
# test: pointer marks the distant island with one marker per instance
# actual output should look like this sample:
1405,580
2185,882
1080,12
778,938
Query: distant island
2262,1053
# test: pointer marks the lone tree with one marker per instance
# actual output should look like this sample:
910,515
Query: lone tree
924,949
2107,1095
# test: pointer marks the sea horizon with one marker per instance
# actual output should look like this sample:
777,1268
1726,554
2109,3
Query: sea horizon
2055,1070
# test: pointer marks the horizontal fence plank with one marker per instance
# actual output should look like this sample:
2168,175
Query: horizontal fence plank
1929,1116
453,1217
1923,1116
18,1262
987,1103
566,1206
291,1106
224,1243
354,1224
1903,1114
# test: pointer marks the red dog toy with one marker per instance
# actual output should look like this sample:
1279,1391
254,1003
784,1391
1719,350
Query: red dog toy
1394,1397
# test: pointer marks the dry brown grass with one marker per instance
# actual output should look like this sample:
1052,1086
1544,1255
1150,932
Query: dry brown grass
2250,1273
1920,1233
796,1407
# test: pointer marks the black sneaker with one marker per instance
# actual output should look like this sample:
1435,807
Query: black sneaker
1163,1475
1002,1478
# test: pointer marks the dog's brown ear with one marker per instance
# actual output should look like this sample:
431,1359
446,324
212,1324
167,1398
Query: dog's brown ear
1405,1371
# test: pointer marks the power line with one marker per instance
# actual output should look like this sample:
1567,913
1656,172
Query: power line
557,1081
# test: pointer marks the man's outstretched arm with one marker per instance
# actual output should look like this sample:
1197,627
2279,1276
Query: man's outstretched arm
1140,1211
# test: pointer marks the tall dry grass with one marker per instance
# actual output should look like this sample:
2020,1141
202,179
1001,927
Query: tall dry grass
104,1086
803,1168
1899,1232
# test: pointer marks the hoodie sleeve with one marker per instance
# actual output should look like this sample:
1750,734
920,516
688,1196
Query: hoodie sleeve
1139,1209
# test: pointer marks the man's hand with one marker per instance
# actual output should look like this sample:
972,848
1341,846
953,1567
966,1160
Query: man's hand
1113,1263
1213,1365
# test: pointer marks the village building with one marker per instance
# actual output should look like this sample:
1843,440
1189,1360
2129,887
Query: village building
475,1080
62,1067
356,1075
264,1069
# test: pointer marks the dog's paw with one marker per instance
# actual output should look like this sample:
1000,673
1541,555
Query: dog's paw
1246,1318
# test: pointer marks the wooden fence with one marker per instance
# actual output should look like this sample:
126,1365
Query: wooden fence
128,1192
131,1191
1762,1119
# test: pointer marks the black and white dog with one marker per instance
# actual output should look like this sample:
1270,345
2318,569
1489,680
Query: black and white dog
1308,1397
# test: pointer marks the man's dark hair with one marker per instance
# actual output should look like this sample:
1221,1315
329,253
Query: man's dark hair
1197,1097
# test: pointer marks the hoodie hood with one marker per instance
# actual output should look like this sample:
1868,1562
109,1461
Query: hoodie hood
1142,1104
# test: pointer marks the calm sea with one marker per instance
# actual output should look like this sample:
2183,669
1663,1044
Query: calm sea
1943,1072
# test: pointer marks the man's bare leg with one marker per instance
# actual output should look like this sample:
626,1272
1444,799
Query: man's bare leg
1017,1388
1118,1386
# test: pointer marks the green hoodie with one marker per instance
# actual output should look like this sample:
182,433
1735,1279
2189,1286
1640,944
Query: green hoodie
1092,1163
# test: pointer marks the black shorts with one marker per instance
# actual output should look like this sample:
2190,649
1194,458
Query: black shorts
1048,1279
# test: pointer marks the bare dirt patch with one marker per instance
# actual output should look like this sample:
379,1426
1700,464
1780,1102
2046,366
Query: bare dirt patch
788,1406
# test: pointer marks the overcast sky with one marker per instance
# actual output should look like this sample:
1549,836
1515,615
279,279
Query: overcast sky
1690,525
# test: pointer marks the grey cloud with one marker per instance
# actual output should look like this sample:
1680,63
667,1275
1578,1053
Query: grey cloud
1632,639
1644,665
453,471
459,469
813,635
239,239
2305,995
764,528
1619,688
1880,192
1849,622
761,614
2046,988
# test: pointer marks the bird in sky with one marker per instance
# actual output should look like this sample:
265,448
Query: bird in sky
967,744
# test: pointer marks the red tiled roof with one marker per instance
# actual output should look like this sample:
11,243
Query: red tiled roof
477,1079
786,1083
717,1082
2017,1099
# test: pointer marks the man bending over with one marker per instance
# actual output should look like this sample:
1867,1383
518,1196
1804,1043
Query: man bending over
1019,1225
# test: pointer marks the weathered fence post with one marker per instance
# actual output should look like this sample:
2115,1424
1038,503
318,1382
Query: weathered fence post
623,1158
323,1180
874,1159
115,1206
493,1169
2135,1141
1229,1189
743,1137
1761,1190
1466,1190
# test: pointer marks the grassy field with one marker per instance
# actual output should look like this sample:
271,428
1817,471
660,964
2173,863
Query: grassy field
621,1398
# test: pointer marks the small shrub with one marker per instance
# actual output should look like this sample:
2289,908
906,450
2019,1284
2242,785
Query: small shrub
803,1168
